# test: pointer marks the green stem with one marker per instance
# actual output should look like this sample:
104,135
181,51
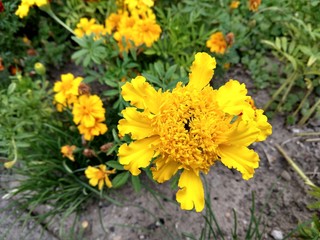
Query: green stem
49,11
309,113
303,101
280,89
295,167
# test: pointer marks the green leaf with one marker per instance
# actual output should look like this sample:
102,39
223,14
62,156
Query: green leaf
110,93
120,179
11,88
136,183
115,165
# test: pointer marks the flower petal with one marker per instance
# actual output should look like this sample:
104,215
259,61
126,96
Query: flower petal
262,123
241,158
141,94
100,184
232,98
243,133
164,169
108,182
137,154
136,123
201,71
191,193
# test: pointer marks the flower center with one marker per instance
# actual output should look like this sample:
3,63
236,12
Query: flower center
190,127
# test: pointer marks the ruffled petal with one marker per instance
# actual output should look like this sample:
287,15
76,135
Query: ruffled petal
263,125
202,70
136,123
232,99
241,158
243,133
137,154
141,94
191,193
164,169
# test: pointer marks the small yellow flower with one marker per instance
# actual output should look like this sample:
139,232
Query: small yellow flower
189,128
88,110
147,32
23,8
88,27
97,129
99,176
66,90
254,5
67,151
217,43
234,4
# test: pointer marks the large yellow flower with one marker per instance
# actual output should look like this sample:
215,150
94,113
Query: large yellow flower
66,90
99,176
87,110
189,129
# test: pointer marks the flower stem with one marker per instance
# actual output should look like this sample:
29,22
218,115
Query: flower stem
295,166
49,11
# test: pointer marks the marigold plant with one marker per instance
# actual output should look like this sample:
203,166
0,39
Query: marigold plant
189,129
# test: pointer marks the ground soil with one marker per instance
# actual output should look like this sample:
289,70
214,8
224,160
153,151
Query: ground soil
280,195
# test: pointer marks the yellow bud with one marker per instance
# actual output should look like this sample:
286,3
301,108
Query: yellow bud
40,68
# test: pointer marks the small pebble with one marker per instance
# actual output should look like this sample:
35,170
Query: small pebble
285,175
277,234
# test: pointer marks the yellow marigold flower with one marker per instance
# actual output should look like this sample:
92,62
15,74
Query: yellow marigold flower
99,176
88,27
112,22
254,5
66,90
217,43
41,3
147,32
234,4
88,110
189,129
67,151
25,5
97,129
132,4
22,10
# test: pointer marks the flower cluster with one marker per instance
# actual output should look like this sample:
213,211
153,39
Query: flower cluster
25,5
136,24
88,112
190,128
89,27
